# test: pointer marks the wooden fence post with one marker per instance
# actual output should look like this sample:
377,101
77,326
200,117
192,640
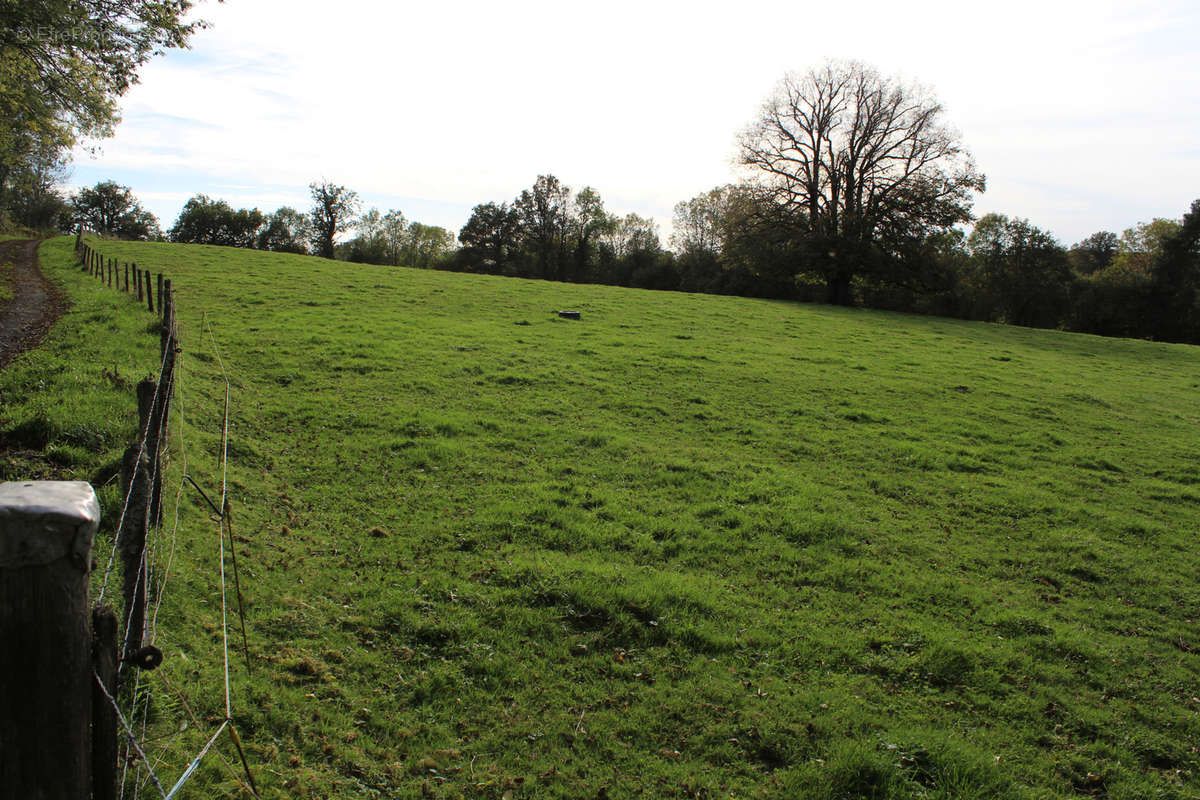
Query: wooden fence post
166,385
136,481
46,533
104,716
149,291
126,277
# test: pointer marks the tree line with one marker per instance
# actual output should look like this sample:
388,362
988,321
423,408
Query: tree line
382,238
733,239
853,190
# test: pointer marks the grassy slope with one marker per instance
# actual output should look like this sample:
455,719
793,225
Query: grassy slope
687,545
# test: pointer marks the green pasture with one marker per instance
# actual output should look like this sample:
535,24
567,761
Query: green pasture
687,546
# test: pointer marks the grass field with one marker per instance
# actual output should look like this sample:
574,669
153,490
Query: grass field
688,546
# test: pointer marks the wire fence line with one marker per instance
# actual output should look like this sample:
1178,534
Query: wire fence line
141,538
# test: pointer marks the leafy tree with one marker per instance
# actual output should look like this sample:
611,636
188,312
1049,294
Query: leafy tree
631,235
65,63
393,230
864,164
369,246
1112,302
332,214
206,221
1175,293
1024,269
1141,245
112,210
390,239
698,226
285,231
1094,253
491,239
588,223
29,193
544,214
549,232
738,239
426,245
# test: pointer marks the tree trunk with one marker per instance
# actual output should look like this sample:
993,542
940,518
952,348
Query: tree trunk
838,285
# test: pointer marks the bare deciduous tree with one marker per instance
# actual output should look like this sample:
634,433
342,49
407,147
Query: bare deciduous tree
862,162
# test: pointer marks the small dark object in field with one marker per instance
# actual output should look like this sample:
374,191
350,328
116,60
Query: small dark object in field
379,533
570,315
147,658
962,389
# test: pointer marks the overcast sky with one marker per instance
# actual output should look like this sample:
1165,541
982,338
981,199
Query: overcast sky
1084,116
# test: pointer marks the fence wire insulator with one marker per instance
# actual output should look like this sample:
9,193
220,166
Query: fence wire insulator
147,658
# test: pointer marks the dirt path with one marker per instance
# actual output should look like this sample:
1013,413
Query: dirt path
35,306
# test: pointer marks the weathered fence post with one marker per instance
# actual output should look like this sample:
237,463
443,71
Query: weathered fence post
137,281
166,385
126,277
149,291
166,304
46,533
137,469
104,716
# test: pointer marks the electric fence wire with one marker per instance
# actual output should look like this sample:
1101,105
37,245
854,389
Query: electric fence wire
128,732
145,581
129,492
221,531
144,570
142,582
183,472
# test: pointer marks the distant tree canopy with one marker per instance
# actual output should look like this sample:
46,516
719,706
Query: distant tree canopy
391,239
549,232
1140,246
112,210
1174,296
206,221
862,169
1022,271
285,231
1094,253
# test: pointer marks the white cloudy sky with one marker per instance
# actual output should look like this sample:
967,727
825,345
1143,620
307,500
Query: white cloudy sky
1083,115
